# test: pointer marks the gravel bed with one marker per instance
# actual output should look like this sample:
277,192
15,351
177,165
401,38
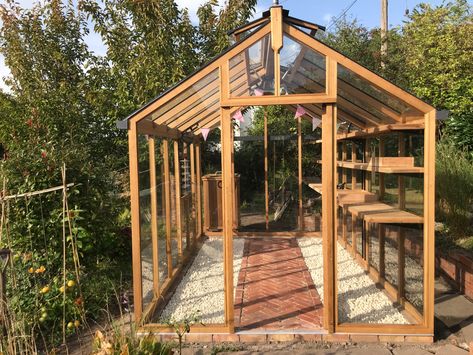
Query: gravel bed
359,300
413,271
202,287
147,267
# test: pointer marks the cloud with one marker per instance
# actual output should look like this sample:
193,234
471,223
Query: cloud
193,6
327,17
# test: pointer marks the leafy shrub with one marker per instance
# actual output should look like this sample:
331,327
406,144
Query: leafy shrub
454,183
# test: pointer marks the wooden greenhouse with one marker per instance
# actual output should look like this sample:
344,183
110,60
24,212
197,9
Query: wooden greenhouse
353,175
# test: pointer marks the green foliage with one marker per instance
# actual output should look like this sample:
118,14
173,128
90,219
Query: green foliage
61,108
454,175
439,61
183,326
214,26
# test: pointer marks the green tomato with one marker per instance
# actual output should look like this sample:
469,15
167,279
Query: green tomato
43,309
42,320
44,315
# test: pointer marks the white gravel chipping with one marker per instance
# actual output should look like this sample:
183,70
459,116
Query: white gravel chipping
359,300
201,289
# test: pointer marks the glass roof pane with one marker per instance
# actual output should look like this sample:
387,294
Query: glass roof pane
370,95
252,70
302,68
194,98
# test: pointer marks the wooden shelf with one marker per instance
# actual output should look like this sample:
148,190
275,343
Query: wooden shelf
379,212
376,131
379,169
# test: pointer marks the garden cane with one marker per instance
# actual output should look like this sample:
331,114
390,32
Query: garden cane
4,259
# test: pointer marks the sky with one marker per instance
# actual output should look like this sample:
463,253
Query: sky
322,12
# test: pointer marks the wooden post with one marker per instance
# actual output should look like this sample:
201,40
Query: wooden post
381,240
401,233
381,175
198,158
367,159
177,173
266,187
167,195
429,218
329,173
193,189
344,158
401,264
400,179
299,163
227,194
384,32
135,220
187,207
277,43
353,159
154,213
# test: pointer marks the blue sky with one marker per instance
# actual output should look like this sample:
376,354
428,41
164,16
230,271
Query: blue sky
321,12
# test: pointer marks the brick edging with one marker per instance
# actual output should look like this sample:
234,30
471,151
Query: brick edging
280,338
457,268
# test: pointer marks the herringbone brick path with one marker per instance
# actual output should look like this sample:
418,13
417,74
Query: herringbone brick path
275,290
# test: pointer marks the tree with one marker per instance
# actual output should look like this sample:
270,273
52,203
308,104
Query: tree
58,112
439,63
214,26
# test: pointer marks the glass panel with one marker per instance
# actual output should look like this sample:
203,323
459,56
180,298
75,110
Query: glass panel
391,192
359,236
391,145
349,150
373,236
348,174
249,165
199,96
414,271
414,144
162,256
185,193
359,179
173,215
349,224
252,70
145,220
414,186
351,82
302,68
311,171
391,253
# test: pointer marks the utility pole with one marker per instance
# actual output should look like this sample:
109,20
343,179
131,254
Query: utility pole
384,32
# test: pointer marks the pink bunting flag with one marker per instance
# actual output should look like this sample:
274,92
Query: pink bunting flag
259,92
316,122
205,133
300,111
239,116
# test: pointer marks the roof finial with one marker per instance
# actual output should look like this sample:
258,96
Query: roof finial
275,2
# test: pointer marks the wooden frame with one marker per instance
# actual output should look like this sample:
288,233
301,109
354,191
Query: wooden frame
213,106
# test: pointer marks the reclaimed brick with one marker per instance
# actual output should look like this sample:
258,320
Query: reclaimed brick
336,338
226,338
419,339
280,337
364,338
391,338
308,337
198,338
253,338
